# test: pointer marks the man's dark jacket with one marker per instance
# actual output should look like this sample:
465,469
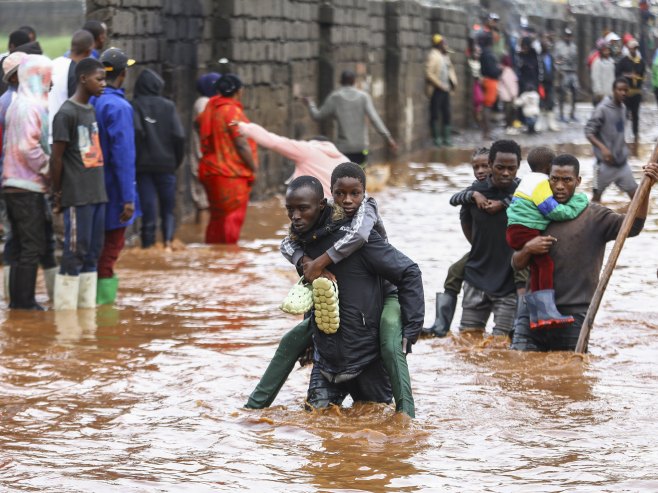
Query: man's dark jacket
361,291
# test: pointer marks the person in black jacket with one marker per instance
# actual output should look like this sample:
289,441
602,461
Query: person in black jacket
348,361
632,67
159,141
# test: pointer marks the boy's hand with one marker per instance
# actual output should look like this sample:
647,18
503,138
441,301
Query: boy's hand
480,200
606,155
494,207
128,211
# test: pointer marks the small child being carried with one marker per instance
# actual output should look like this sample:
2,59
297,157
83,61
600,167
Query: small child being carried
532,209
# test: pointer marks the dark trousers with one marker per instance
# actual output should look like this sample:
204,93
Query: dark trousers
440,107
84,231
541,266
157,191
550,339
633,105
115,239
10,253
27,217
360,158
371,385
548,103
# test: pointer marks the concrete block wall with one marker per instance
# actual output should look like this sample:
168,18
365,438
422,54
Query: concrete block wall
286,49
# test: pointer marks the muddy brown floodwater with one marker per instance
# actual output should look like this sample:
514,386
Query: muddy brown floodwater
148,396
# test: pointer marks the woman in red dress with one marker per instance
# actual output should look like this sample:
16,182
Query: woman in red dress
227,168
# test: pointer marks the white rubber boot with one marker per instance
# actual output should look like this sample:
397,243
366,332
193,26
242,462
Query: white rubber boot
6,272
553,125
540,126
66,292
87,294
49,278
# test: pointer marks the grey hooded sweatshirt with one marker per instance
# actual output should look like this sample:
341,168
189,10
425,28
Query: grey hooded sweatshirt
607,125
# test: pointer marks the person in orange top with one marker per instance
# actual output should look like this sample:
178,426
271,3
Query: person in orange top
227,168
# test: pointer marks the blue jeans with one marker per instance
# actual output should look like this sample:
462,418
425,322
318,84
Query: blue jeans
157,191
84,233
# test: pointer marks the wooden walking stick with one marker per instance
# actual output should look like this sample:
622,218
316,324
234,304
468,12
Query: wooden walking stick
626,225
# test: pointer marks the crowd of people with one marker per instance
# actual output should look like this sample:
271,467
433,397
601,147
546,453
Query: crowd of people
529,74
72,144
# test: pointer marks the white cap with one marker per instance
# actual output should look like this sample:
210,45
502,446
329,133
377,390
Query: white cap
611,37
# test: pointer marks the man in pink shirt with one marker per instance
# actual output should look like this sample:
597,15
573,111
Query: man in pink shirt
316,157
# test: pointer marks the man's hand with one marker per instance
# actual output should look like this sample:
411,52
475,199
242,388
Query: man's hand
540,245
57,202
312,270
392,145
494,207
606,154
651,170
480,201
128,211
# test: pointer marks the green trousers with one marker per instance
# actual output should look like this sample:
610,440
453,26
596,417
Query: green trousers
294,344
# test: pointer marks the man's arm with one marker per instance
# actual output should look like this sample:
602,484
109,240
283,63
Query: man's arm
592,129
288,148
325,111
384,260
56,168
377,122
119,126
537,246
244,151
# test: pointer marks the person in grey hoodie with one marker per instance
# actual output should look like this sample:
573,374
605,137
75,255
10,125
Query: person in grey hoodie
350,106
606,130
159,142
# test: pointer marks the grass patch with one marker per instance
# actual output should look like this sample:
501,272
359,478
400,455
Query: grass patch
52,46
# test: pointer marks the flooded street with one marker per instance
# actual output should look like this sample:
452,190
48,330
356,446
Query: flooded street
148,396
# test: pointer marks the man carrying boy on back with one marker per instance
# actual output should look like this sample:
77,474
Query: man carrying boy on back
348,361
76,163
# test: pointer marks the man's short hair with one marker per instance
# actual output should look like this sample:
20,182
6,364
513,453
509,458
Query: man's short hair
347,78
82,42
540,158
619,80
567,160
308,182
18,38
480,151
96,28
506,146
348,170
29,30
87,66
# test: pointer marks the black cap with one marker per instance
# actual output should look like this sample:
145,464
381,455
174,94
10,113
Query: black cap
115,60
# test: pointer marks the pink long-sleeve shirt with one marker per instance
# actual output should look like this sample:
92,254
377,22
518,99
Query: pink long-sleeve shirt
311,157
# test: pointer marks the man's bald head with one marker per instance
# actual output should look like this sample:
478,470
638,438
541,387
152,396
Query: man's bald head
82,42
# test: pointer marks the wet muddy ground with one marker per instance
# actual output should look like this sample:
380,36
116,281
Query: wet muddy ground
148,395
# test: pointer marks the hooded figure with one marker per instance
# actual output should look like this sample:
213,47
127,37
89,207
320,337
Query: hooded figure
159,142
26,177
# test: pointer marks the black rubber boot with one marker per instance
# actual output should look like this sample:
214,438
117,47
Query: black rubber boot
543,312
446,304
22,282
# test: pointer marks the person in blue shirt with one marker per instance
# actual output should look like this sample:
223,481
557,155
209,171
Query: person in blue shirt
117,137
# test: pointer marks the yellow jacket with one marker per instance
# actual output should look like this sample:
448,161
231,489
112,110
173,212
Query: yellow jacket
433,67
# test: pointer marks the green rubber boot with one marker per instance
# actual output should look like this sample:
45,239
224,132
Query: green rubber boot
436,134
106,290
447,136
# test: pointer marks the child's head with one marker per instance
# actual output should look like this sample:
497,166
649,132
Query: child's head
304,203
348,187
540,158
480,163
90,74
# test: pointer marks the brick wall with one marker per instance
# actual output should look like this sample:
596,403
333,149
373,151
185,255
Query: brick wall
286,49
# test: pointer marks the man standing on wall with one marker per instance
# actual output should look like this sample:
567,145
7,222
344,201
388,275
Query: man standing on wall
350,107
441,80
